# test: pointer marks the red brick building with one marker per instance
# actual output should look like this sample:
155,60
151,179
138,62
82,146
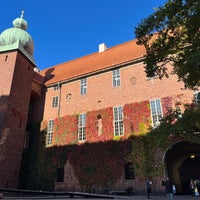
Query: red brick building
101,97
18,85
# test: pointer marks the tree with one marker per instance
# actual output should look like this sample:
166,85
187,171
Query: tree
172,35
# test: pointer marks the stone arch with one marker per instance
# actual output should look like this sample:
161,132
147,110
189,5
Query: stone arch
182,163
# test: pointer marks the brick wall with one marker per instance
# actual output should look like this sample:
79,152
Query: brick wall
135,87
15,86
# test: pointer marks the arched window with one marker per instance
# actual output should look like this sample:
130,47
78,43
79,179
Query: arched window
99,125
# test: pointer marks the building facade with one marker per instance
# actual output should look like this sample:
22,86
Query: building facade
16,88
99,99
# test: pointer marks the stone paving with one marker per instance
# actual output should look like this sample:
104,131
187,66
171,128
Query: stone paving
153,197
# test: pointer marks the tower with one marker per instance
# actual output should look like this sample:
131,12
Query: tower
16,71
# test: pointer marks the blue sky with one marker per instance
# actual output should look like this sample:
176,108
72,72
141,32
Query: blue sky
63,30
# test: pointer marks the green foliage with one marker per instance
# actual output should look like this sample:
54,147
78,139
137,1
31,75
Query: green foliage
188,126
173,128
172,35
38,170
33,170
144,156
138,156
100,163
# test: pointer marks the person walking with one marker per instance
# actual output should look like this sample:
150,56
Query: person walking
192,187
198,186
148,187
168,188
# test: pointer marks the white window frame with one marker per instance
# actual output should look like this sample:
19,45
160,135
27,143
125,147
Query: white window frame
118,121
55,102
156,112
116,79
56,87
82,127
50,130
196,97
83,86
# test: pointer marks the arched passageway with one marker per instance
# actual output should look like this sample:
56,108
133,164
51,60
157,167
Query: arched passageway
182,164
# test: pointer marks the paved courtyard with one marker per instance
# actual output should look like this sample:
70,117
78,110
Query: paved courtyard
176,197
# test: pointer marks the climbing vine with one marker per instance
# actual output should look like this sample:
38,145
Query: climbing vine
101,162
137,118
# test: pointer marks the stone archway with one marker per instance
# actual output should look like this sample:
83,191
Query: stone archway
182,163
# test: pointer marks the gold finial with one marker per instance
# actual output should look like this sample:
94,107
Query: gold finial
22,14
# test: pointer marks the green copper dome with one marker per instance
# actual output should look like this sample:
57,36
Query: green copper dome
17,36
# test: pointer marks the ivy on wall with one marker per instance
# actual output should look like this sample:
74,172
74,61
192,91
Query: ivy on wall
101,162
40,163
136,121
92,125
37,170
136,118
166,105
65,131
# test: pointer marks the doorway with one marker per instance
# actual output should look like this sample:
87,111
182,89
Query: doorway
182,164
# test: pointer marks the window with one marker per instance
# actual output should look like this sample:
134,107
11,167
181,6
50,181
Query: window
50,132
196,97
116,77
99,125
129,171
56,87
55,102
60,175
153,73
156,112
83,86
82,127
178,112
118,121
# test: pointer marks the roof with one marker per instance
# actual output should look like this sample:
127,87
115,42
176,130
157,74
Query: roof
18,38
92,63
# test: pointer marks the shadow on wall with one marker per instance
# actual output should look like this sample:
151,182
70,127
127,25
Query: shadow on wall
3,107
49,74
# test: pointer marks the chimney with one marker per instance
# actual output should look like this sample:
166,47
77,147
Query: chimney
102,47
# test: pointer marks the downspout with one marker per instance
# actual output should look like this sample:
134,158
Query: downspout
59,97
